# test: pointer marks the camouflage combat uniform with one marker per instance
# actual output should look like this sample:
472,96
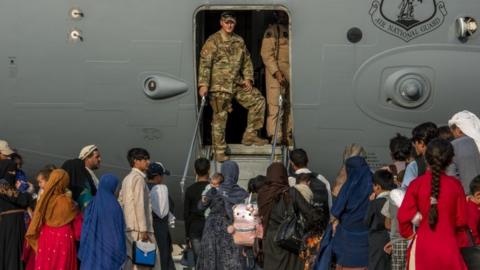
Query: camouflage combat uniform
224,65
275,56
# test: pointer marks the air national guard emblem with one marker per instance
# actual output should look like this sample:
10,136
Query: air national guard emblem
408,19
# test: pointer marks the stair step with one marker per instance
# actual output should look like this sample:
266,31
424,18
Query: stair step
240,149
250,166
252,160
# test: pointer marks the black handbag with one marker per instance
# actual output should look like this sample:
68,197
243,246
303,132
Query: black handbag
471,254
291,231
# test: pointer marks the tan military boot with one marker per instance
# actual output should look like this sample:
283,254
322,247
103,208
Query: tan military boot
221,157
250,138
279,140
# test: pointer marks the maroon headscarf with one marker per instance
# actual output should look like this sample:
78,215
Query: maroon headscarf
275,186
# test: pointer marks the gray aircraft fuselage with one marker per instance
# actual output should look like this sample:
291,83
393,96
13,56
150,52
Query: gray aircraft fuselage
124,75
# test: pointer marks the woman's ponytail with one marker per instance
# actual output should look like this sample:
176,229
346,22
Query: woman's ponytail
439,155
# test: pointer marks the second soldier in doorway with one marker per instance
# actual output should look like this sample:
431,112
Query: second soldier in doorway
275,56
226,71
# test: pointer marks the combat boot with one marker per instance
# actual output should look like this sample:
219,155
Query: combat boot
250,138
221,157
279,140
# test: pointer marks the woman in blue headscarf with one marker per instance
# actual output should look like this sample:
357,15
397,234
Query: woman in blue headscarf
346,237
102,245
217,248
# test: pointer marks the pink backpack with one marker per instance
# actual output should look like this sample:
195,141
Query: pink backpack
247,224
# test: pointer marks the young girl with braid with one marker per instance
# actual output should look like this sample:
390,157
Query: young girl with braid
441,201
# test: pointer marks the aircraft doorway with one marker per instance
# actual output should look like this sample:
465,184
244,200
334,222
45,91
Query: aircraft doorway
251,25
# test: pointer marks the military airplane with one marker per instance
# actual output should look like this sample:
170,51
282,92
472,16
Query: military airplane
122,74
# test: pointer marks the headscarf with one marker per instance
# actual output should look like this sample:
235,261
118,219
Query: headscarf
351,205
80,178
103,244
55,208
275,186
7,184
6,166
229,189
468,123
351,150
355,192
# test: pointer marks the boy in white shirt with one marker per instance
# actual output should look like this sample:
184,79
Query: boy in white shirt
162,207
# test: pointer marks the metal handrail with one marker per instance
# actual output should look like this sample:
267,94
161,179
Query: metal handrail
194,138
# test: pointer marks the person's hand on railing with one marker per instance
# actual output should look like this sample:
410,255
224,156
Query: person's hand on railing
203,91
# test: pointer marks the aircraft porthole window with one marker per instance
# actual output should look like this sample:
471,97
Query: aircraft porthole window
354,35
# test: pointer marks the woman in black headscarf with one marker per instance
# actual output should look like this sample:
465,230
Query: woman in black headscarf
81,183
12,224
273,199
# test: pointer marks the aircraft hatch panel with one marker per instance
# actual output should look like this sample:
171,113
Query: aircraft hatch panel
415,84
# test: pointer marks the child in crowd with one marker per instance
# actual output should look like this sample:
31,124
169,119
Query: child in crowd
215,181
20,176
473,209
303,186
444,132
42,178
397,246
378,235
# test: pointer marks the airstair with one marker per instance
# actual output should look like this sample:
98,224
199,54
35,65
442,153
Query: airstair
252,160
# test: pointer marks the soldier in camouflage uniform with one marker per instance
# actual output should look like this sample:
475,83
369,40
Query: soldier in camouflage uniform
275,56
226,70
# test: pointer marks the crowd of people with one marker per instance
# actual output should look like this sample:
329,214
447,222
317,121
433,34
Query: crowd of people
416,213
